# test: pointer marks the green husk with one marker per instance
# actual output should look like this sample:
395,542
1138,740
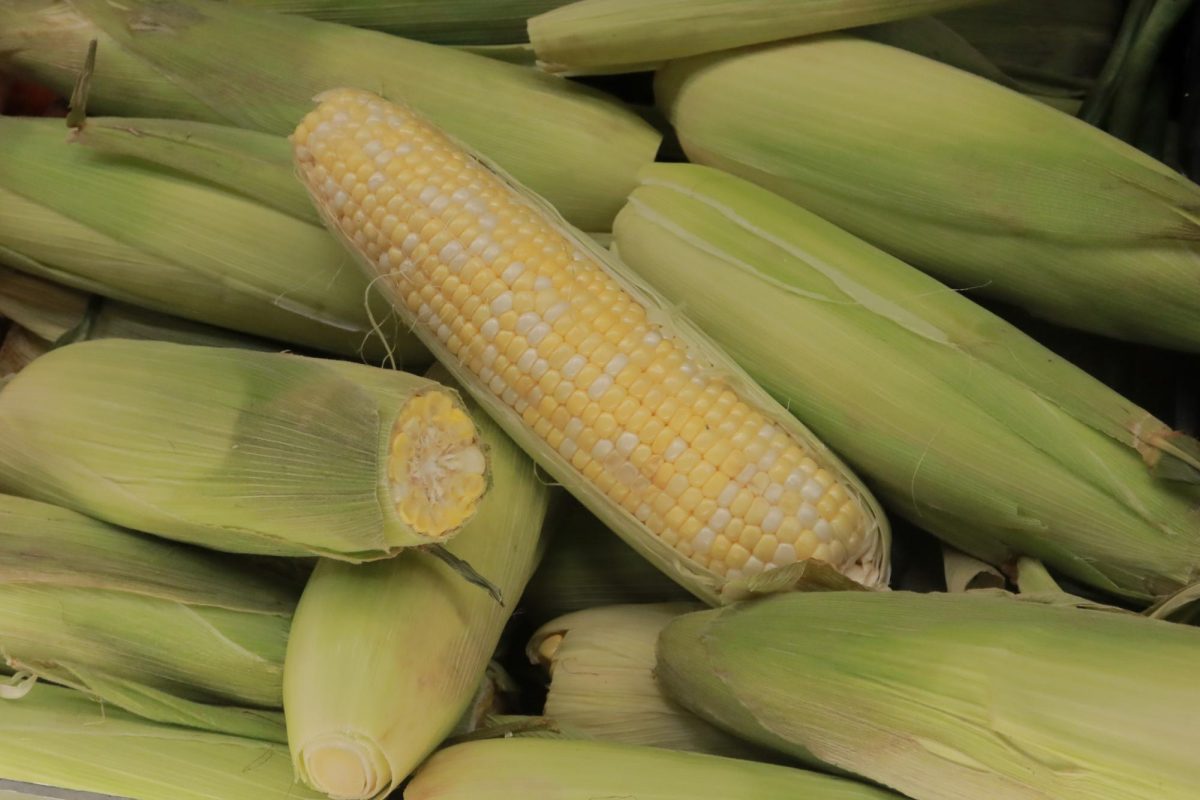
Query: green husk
943,696
159,629
492,22
384,658
611,35
870,567
238,247
527,767
588,565
963,424
57,737
232,449
917,157
964,573
600,662
216,62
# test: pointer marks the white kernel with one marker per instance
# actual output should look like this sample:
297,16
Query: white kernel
427,194
526,321
479,243
616,364
460,195
807,515
567,448
341,117
443,332
503,303
520,406
823,530
773,493
330,188
725,498
488,221
491,252
675,449
573,365
486,374
496,384
766,431
753,566
539,369
574,428
652,338
383,158
475,205
768,460
340,200
688,367
748,472
424,312
536,394
410,243
385,263
795,479
626,442
509,396
439,204
451,251
784,554
525,362
538,332
489,355
458,262
403,149
602,448
512,272
643,512
703,540
490,328
812,490
542,283
557,310
772,521
599,386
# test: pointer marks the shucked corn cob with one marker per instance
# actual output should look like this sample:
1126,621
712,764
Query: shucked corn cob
652,427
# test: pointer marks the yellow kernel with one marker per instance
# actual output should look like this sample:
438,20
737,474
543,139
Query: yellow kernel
738,556
690,498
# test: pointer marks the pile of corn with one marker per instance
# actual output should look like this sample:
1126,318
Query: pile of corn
516,399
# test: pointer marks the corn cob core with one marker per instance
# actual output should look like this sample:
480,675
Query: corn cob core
437,466
552,334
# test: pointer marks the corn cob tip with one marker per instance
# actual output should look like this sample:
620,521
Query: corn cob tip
437,465
345,767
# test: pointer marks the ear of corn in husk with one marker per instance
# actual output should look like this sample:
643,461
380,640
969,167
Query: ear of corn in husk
243,451
917,157
442,21
628,406
967,426
188,60
600,663
626,35
234,256
384,658
160,629
59,738
500,769
588,565
949,696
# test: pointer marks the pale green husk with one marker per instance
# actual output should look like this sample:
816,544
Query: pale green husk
871,569
384,658
962,423
198,221
626,35
600,664
441,21
918,157
587,565
57,737
160,629
508,769
231,449
944,697
216,62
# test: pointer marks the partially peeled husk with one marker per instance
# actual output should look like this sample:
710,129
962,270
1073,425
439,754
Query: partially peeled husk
231,449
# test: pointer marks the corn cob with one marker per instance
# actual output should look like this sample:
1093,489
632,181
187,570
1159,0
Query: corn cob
57,737
950,696
965,425
187,59
441,21
587,565
243,451
651,427
384,658
507,769
159,629
601,667
626,35
93,219
917,158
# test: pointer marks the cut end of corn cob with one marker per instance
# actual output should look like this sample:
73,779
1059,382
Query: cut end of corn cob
345,767
437,465
543,330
